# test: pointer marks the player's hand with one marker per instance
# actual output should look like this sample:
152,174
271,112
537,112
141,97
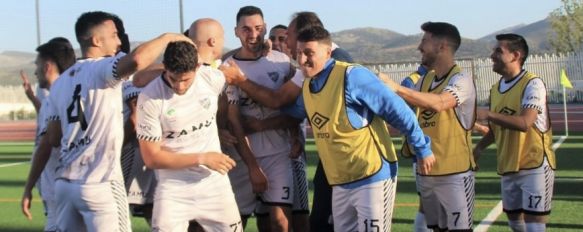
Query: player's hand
226,138
217,161
25,204
258,180
424,165
26,85
476,153
232,72
482,114
483,130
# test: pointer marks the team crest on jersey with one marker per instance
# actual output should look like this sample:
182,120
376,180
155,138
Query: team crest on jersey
274,76
507,111
205,103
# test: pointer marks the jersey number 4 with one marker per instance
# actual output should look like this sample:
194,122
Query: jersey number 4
76,103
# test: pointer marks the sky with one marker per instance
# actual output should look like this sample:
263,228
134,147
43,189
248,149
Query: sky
146,19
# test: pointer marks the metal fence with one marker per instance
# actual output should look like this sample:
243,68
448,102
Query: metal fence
547,66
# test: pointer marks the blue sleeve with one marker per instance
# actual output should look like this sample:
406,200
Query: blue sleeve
297,109
364,88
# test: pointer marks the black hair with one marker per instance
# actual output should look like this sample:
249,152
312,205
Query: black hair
315,34
306,19
180,57
515,43
248,11
59,51
445,31
87,21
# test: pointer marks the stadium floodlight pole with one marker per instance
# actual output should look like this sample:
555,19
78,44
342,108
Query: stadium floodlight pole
37,7
181,16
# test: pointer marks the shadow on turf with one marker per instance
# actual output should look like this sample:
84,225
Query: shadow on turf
14,229
12,183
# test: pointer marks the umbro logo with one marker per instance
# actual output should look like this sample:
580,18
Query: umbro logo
507,111
319,120
427,114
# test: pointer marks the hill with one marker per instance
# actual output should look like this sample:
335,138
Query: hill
376,45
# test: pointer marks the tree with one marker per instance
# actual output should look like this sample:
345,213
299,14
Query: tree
567,24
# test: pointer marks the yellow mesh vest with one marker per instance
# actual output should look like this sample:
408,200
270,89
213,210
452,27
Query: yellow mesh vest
451,143
518,150
347,154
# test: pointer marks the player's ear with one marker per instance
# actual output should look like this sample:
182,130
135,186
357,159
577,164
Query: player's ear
211,42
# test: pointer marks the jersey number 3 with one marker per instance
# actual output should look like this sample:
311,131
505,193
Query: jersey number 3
76,103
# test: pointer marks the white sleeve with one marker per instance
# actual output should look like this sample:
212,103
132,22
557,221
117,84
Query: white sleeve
535,95
298,78
218,81
52,112
149,127
461,87
107,70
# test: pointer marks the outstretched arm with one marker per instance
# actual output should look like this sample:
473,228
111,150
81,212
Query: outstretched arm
256,175
252,125
29,92
481,146
41,157
146,54
286,94
155,157
521,122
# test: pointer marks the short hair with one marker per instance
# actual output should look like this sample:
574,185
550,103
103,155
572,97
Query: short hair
180,57
445,31
315,34
89,20
278,26
121,34
248,11
61,40
59,51
515,43
306,19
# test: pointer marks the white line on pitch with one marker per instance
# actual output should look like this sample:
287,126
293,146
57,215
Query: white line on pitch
12,164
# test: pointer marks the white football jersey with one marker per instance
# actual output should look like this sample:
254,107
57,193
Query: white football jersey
269,71
47,179
86,99
182,123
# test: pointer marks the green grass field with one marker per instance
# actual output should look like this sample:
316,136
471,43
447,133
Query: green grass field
567,201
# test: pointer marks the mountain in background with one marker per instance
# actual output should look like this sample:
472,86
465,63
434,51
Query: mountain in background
374,45
366,45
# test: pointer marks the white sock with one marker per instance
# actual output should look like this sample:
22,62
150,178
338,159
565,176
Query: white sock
517,226
535,227
419,224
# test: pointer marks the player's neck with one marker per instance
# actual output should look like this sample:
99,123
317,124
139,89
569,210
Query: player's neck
443,67
511,73
92,52
206,57
246,54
